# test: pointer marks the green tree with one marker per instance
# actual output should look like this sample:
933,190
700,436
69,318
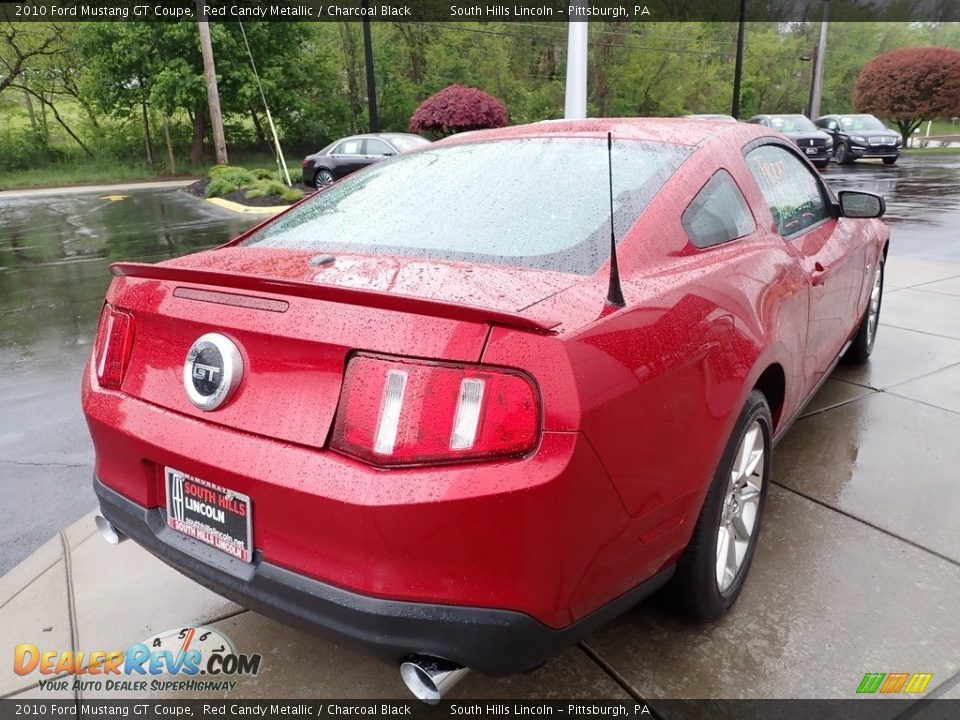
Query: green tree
143,65
24,44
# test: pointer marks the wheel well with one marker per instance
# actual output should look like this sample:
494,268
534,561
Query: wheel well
773,384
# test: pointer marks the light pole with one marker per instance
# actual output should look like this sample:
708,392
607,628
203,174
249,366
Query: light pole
575,100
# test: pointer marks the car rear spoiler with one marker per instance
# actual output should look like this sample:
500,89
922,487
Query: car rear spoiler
333,293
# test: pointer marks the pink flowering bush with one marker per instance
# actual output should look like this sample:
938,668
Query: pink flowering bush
458,109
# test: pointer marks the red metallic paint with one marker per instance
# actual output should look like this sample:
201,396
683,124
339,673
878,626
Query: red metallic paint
637,402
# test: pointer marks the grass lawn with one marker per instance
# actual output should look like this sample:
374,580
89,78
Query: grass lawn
940,127
932,151
89,173
103,172
80,170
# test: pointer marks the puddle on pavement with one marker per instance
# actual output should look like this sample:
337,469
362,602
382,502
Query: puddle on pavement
55,253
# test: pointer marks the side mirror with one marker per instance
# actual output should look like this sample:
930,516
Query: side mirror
856,204
389,153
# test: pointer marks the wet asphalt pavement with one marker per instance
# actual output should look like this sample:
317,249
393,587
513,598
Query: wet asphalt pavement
923,202
54,257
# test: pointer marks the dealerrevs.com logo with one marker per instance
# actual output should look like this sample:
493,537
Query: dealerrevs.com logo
198,658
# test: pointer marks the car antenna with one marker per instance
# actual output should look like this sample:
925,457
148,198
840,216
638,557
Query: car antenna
614,293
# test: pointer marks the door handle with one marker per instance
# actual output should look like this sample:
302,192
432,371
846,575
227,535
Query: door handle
818,276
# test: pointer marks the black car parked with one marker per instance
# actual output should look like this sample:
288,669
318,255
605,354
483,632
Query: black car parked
815,144
861,136
349,154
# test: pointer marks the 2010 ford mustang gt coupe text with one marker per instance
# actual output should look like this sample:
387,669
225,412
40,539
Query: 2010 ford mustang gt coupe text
459,412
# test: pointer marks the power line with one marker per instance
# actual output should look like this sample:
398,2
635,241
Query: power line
595,31
683,51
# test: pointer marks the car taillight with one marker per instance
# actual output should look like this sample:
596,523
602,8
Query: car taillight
408,412
113,346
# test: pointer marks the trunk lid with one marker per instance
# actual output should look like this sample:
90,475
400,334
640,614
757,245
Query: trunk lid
295,321
502,288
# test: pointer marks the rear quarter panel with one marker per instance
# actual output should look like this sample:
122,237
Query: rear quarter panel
657,386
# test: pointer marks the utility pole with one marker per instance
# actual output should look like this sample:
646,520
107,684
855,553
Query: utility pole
816,82
213,94
575,100
738,67
371,80
812,58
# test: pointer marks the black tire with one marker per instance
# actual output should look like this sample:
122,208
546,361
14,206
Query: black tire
842,154
866,336
821,164
696,584
323,178
889,161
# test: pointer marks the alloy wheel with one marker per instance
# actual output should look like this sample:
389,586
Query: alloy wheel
741,504
873,310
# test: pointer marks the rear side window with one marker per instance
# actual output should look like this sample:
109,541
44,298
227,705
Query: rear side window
408,142
349,147
792,192
718,213
377,147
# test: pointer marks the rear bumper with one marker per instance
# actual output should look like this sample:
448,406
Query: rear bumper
491,641
546,536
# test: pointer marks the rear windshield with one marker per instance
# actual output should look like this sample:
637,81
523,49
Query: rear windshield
792,123
535,202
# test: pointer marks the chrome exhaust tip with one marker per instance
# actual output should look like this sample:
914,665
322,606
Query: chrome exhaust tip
109,531
430,678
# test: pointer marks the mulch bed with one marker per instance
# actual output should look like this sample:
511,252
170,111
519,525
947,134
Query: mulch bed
199,189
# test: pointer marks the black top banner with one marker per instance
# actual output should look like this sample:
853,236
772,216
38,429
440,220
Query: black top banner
480,11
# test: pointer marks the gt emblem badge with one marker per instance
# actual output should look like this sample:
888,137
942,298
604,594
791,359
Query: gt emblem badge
212,371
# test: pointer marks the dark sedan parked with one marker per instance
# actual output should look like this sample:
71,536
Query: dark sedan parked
815,144
861,136
349,154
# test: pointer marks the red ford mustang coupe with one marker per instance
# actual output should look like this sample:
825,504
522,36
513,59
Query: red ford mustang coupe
459,411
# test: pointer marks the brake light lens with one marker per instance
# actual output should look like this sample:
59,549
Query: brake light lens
113,346
407,412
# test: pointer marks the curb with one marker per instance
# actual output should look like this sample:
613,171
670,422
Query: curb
246,209
96,188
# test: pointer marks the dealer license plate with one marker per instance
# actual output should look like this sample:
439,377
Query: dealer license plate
812,151
209,513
